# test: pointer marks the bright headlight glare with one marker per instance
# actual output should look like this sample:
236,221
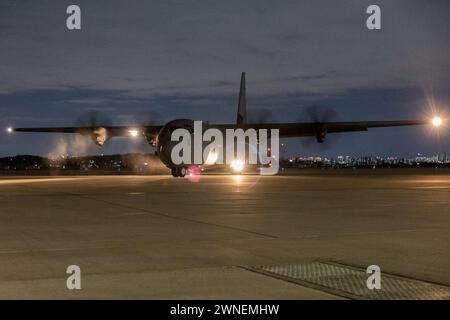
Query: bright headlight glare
237,165
133,133
437,121
212,157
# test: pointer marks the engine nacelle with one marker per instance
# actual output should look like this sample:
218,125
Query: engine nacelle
321,133
99,136
164,145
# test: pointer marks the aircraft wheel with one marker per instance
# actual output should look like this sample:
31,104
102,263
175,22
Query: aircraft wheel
181,172
174,172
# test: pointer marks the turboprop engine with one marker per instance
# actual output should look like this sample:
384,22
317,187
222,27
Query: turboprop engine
99,136
164,145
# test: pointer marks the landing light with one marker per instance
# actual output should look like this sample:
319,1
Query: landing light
237,165
9,130
437,121
212,157
133,133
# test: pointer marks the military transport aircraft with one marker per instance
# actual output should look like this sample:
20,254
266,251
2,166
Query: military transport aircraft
159,136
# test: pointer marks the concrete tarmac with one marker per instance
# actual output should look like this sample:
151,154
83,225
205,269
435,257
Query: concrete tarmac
158,237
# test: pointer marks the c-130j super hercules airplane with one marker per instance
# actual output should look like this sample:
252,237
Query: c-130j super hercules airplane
159,136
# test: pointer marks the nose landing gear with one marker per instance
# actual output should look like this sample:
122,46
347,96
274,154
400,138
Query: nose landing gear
178,172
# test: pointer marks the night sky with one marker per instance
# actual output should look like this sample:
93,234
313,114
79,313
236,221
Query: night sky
135,60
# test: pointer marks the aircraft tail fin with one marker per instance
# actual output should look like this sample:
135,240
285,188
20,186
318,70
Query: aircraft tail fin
242,108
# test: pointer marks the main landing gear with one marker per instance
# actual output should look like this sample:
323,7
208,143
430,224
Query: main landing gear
178,172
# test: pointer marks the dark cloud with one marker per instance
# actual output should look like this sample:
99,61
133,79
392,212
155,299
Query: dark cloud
183,59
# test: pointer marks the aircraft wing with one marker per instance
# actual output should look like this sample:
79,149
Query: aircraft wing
113,131
304,129
286,130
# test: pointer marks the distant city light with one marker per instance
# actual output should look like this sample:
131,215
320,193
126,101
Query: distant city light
437,121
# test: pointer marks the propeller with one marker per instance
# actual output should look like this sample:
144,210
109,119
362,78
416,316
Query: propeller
93,118
148,118
98,121
144,119
261,115
319,115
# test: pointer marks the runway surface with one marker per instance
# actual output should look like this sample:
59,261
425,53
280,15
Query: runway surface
157,237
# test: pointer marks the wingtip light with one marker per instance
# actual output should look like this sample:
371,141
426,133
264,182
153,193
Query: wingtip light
133,133
437,121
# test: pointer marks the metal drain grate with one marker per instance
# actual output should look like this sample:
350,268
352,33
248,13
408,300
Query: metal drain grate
350,282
